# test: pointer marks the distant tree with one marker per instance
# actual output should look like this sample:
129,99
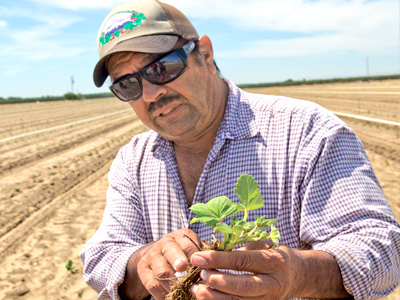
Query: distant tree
70,96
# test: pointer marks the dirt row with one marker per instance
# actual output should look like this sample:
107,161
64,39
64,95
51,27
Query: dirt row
54,143
34,188
34,267
53,202
16,119
45,221
375,99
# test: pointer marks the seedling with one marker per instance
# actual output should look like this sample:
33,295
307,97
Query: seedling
70,265
16,189
239,231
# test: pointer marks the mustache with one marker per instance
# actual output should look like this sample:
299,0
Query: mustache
164,100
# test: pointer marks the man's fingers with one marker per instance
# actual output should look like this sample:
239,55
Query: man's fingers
174,255
158,265
272,260
155,272
189,242
157,288
239,285
177,247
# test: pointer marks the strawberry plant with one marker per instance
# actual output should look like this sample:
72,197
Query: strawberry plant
238,231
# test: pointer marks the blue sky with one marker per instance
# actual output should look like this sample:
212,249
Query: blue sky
45,42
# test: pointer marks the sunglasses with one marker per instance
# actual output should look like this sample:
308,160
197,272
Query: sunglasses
161,71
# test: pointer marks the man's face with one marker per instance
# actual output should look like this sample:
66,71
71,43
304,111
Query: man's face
180,110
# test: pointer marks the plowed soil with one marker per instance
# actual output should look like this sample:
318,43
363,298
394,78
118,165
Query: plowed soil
53,184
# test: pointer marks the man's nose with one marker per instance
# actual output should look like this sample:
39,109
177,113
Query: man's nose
152,92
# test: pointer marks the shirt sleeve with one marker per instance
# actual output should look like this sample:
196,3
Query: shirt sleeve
345,213
106,254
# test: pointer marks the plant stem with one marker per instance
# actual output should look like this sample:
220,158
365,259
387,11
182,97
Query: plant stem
246,213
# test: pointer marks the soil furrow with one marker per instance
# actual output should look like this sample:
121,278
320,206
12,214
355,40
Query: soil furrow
23,161
35,193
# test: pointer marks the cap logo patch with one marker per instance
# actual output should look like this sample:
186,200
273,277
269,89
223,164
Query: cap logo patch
119,24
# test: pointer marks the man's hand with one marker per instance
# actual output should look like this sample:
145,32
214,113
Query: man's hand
279,273
156,263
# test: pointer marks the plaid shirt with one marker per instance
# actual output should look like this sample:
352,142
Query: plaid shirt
313,173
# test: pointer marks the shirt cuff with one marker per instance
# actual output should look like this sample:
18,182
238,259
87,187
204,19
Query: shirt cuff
117,274
354,265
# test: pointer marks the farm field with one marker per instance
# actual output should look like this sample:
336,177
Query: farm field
53,182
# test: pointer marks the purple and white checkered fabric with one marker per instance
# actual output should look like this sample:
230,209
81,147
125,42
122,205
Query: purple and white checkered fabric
312,171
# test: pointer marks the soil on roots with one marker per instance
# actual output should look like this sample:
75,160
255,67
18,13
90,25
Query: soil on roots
181,289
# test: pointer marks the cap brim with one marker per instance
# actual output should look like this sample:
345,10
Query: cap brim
143,44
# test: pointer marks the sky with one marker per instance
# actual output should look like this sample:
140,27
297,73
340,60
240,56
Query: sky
43,43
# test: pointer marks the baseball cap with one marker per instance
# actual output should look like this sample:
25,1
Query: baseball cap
147,26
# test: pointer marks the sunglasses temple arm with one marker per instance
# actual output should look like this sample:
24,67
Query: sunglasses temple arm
188,48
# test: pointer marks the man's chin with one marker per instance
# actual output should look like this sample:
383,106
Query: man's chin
176,134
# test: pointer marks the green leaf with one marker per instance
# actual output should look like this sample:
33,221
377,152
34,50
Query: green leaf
242,223
248,226
274,235
234,221
248,192
223,228
202,210
237,229
264,223
222,207
70,265
210,221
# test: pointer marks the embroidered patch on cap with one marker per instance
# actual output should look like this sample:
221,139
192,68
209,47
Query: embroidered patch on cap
119,24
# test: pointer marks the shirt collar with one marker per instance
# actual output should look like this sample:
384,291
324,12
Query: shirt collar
238,122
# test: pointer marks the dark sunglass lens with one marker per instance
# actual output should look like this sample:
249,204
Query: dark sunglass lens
127,89
166,69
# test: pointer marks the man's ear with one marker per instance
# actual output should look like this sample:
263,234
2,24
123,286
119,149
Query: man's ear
205,46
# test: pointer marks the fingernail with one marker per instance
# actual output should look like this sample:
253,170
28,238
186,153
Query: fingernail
177,262
204,274
198,261
193,289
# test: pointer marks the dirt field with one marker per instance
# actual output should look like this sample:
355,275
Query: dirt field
52,184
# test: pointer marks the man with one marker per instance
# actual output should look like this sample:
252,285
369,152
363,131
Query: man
339,237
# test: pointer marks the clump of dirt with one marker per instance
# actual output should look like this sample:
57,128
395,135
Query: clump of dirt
181,289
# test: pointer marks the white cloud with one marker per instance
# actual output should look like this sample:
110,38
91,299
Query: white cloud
292,15
41,40
316,45
367,27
